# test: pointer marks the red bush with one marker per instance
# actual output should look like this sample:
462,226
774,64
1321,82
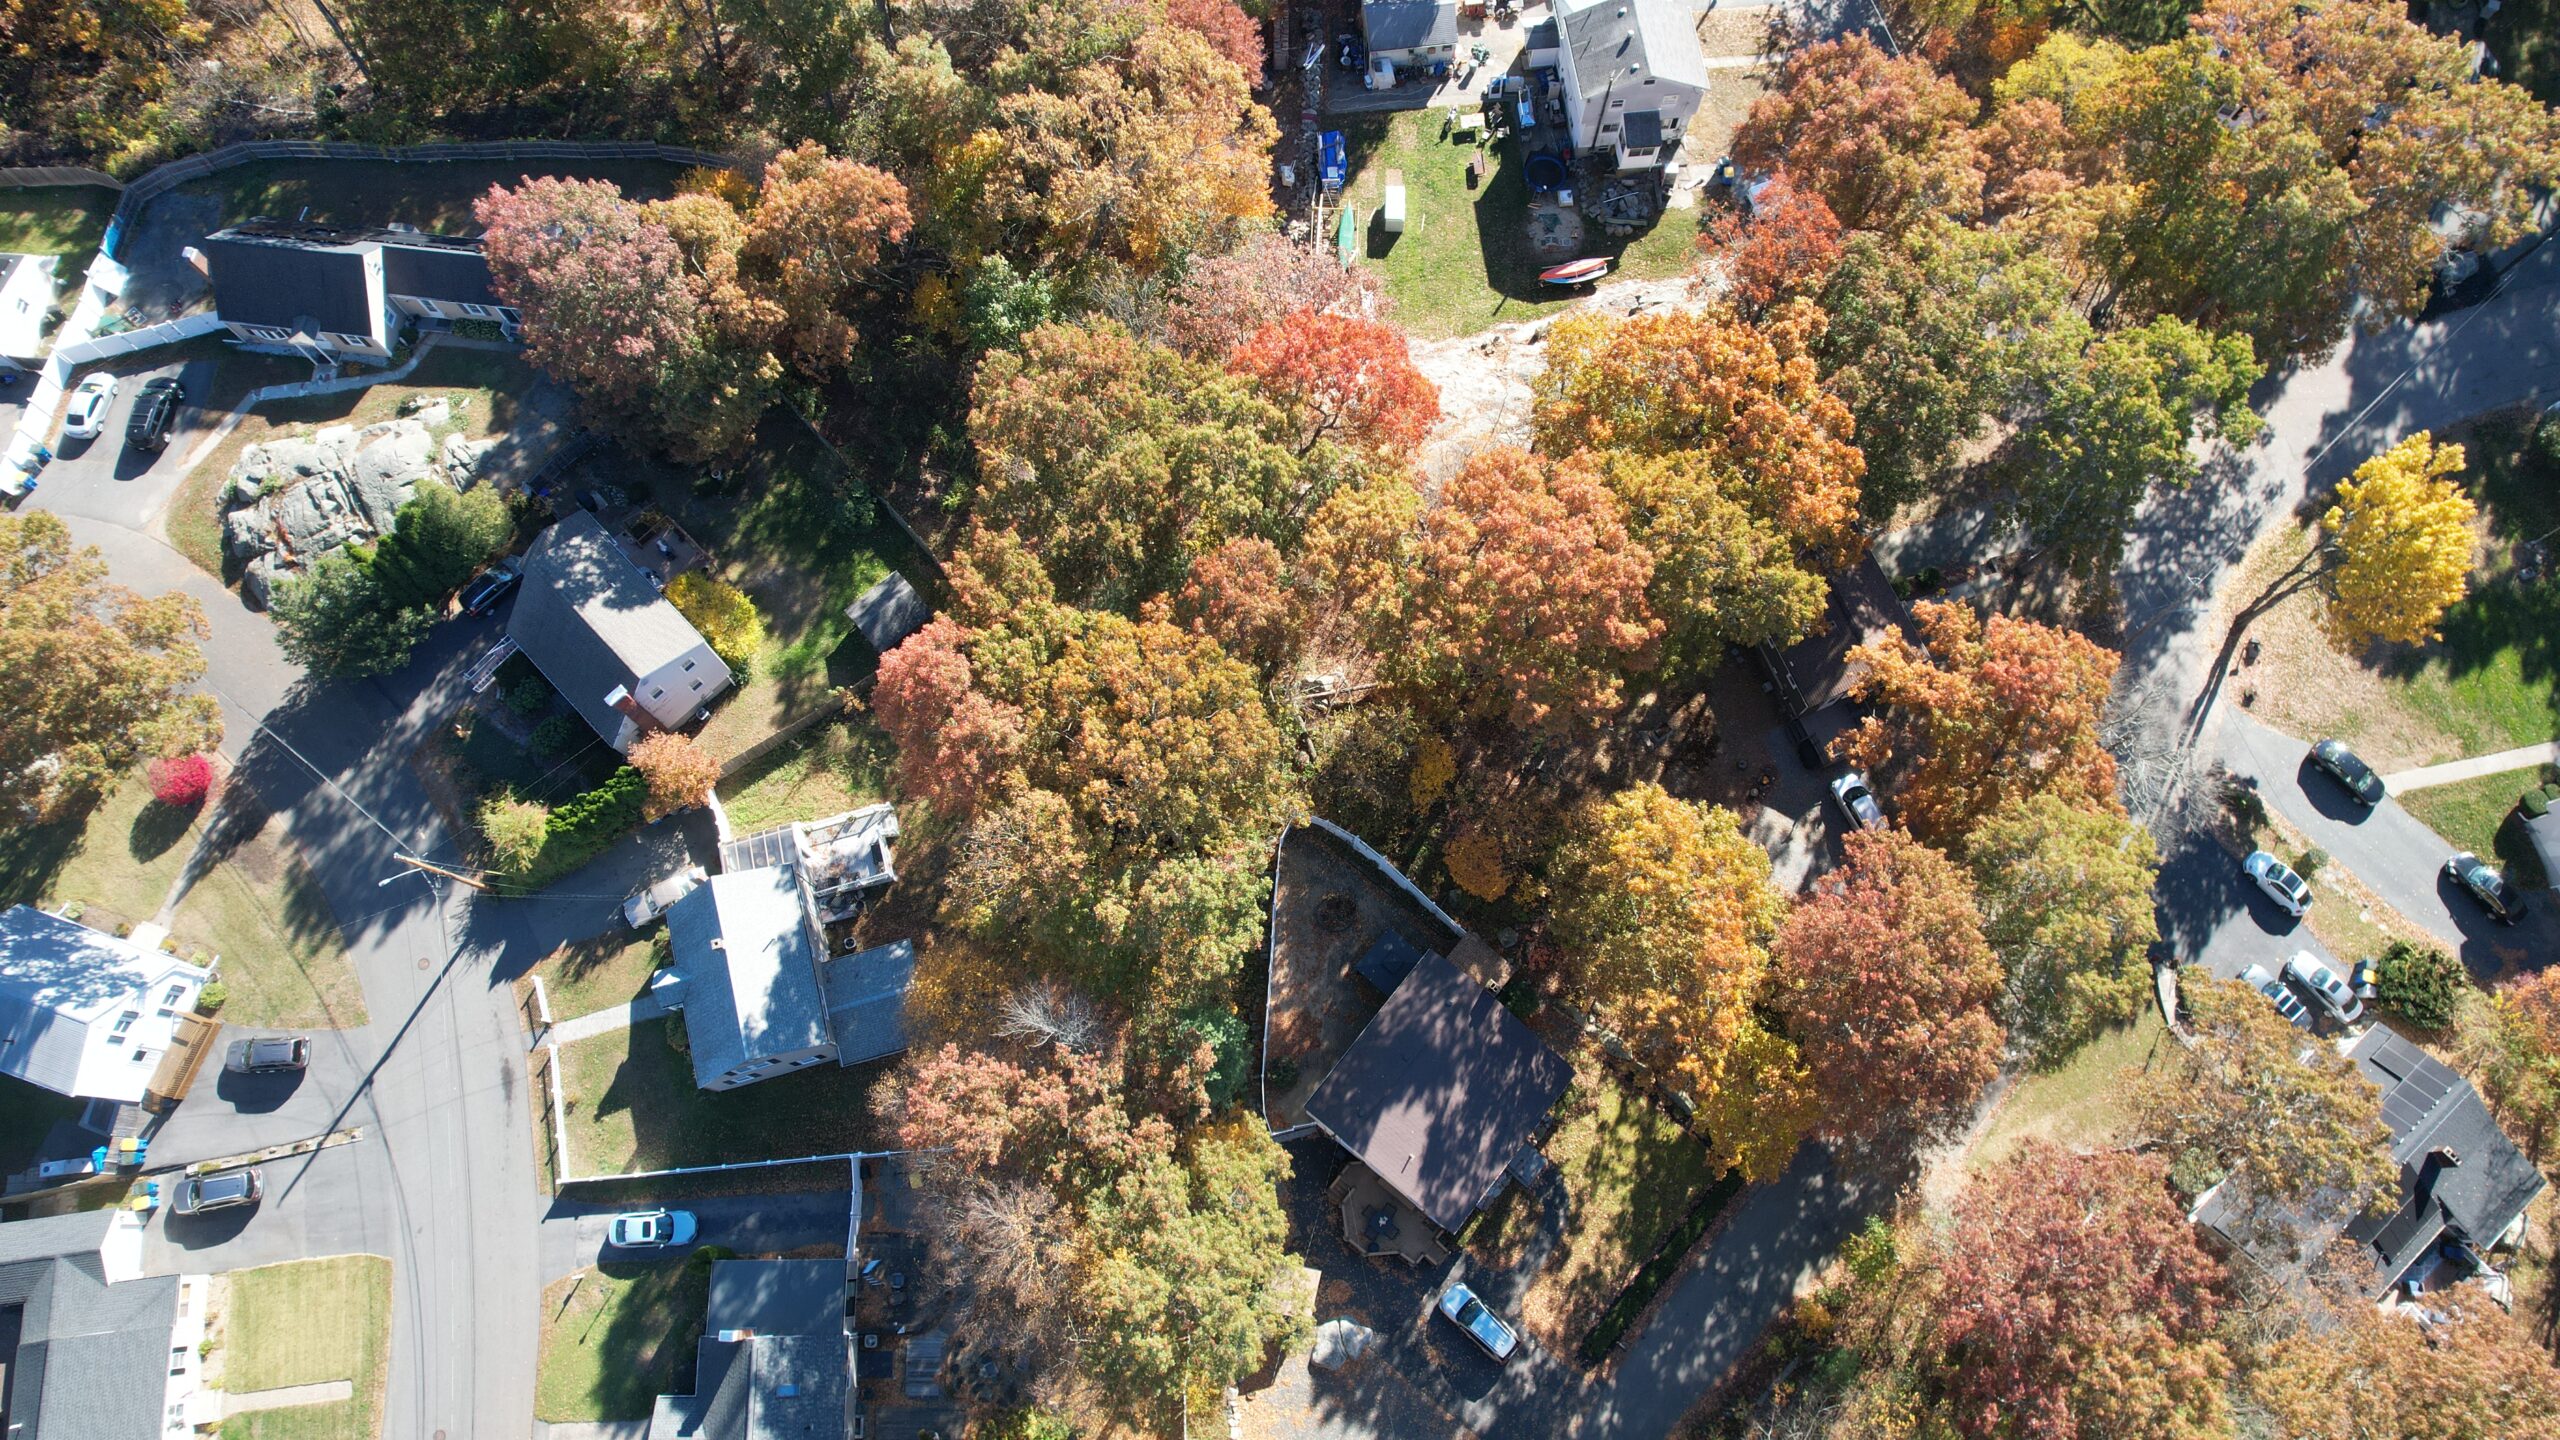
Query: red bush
182,782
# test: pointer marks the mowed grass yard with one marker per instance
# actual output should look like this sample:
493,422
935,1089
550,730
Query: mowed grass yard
483,386
307,1323
65,220
825,770
257,908
2079,1103
1630,1173
1464,260
430,194
632,1105
2491,683
2479,815
616,1337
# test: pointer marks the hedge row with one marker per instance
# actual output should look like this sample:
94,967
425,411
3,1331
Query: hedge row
582,826
1657,1272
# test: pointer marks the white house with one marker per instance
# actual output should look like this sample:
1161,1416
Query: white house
26,293
90,1347
1633,76
340,294
596,627
84,1013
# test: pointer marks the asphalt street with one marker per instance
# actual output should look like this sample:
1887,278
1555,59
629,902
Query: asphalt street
2398,858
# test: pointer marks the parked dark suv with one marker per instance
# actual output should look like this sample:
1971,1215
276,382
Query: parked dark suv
200,1193
155,410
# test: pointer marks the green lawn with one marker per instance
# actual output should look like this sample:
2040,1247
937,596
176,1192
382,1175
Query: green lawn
633,1106
433,195
117,859
65,220
2480,816
616,1338
1630,1173
588,975
302,1324
2080,1102
826,770
1464,260
804,540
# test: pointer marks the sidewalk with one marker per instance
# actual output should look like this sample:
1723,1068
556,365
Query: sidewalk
606,1021
2450,771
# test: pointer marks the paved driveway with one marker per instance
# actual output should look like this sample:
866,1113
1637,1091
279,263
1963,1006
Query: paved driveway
573,1231
2398,858
227,1114
106,479
338,1201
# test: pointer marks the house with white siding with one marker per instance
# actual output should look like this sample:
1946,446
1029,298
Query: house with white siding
1633,77
84,1013
339,294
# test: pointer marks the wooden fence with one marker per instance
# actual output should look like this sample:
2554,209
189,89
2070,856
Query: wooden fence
37,177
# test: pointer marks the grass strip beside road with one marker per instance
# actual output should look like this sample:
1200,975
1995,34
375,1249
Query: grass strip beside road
1657,1272
2479,815
616,1337
306,1323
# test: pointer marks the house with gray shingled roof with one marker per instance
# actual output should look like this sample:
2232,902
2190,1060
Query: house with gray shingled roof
596,627
90,1348
86,1013
336,293
1633,77
774,1360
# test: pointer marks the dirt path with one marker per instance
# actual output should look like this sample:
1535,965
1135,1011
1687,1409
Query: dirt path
1485,378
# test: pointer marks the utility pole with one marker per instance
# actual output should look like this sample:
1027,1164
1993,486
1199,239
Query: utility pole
414,863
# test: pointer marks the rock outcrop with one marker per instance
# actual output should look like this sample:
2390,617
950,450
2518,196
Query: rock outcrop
288,502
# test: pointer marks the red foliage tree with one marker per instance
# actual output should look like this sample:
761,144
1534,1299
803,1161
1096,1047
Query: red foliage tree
1785,247
608,304
1889,988
1224,299
181,780
1342,378
1239,595
2078,1303
953,740
1228,30
1883,140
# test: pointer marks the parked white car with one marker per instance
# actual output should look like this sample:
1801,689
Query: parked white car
84,410
2279,994
650,1229
2308,971
1857,801
1460,1305
649,904
2281,885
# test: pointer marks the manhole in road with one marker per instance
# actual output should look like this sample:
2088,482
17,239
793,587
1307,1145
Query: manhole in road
423,963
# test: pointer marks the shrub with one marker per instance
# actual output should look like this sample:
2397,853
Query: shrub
2421,982
181,781
437,540
1874,1253
2313,861
1475,861
479,330
515,829
1283,1072
557,735
679,773
1223,1032
678,1038
580,827
2248,808
2536,803
527,697
725,616
212,997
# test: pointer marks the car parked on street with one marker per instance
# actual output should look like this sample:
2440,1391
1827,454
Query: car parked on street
2279,994
650,1229
2277,879
84,410
2501,897
1858,802
2313,974
493,585
2349,770
1472,1315
155,413
230,1189
647,905
267,1054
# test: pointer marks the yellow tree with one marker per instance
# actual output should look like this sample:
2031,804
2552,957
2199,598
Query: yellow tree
2393,553
1665,912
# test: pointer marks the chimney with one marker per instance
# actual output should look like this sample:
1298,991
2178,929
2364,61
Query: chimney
620,699
2446,1155
732,1337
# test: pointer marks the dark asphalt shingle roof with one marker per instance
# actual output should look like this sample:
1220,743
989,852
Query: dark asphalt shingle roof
1618,44
590,620
888,613
1409,24
91,1356
791,1379
265,279
2430,1110
1440,1092
436,272
867,1001
755,994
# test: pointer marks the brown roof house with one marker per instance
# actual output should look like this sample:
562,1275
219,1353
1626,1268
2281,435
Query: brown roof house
1441,1093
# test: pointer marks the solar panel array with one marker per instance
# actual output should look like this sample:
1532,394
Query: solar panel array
2416,1082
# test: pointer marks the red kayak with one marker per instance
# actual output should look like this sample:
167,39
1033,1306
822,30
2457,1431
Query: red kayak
1576,272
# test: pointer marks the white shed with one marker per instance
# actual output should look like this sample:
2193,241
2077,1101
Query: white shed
1391,212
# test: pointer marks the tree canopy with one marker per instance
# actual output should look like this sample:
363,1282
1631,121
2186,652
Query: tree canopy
2065,889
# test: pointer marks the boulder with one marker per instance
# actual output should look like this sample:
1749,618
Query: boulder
461,459
428,410
317,517
258,581
246,532
389,460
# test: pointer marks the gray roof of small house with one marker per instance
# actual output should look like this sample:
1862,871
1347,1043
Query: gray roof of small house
867,1001
795,1309
267,276
1440,1092
451,270
2430,1109
590,620
56,977
104,1348
888,613
1409,24
1622,42
755,992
